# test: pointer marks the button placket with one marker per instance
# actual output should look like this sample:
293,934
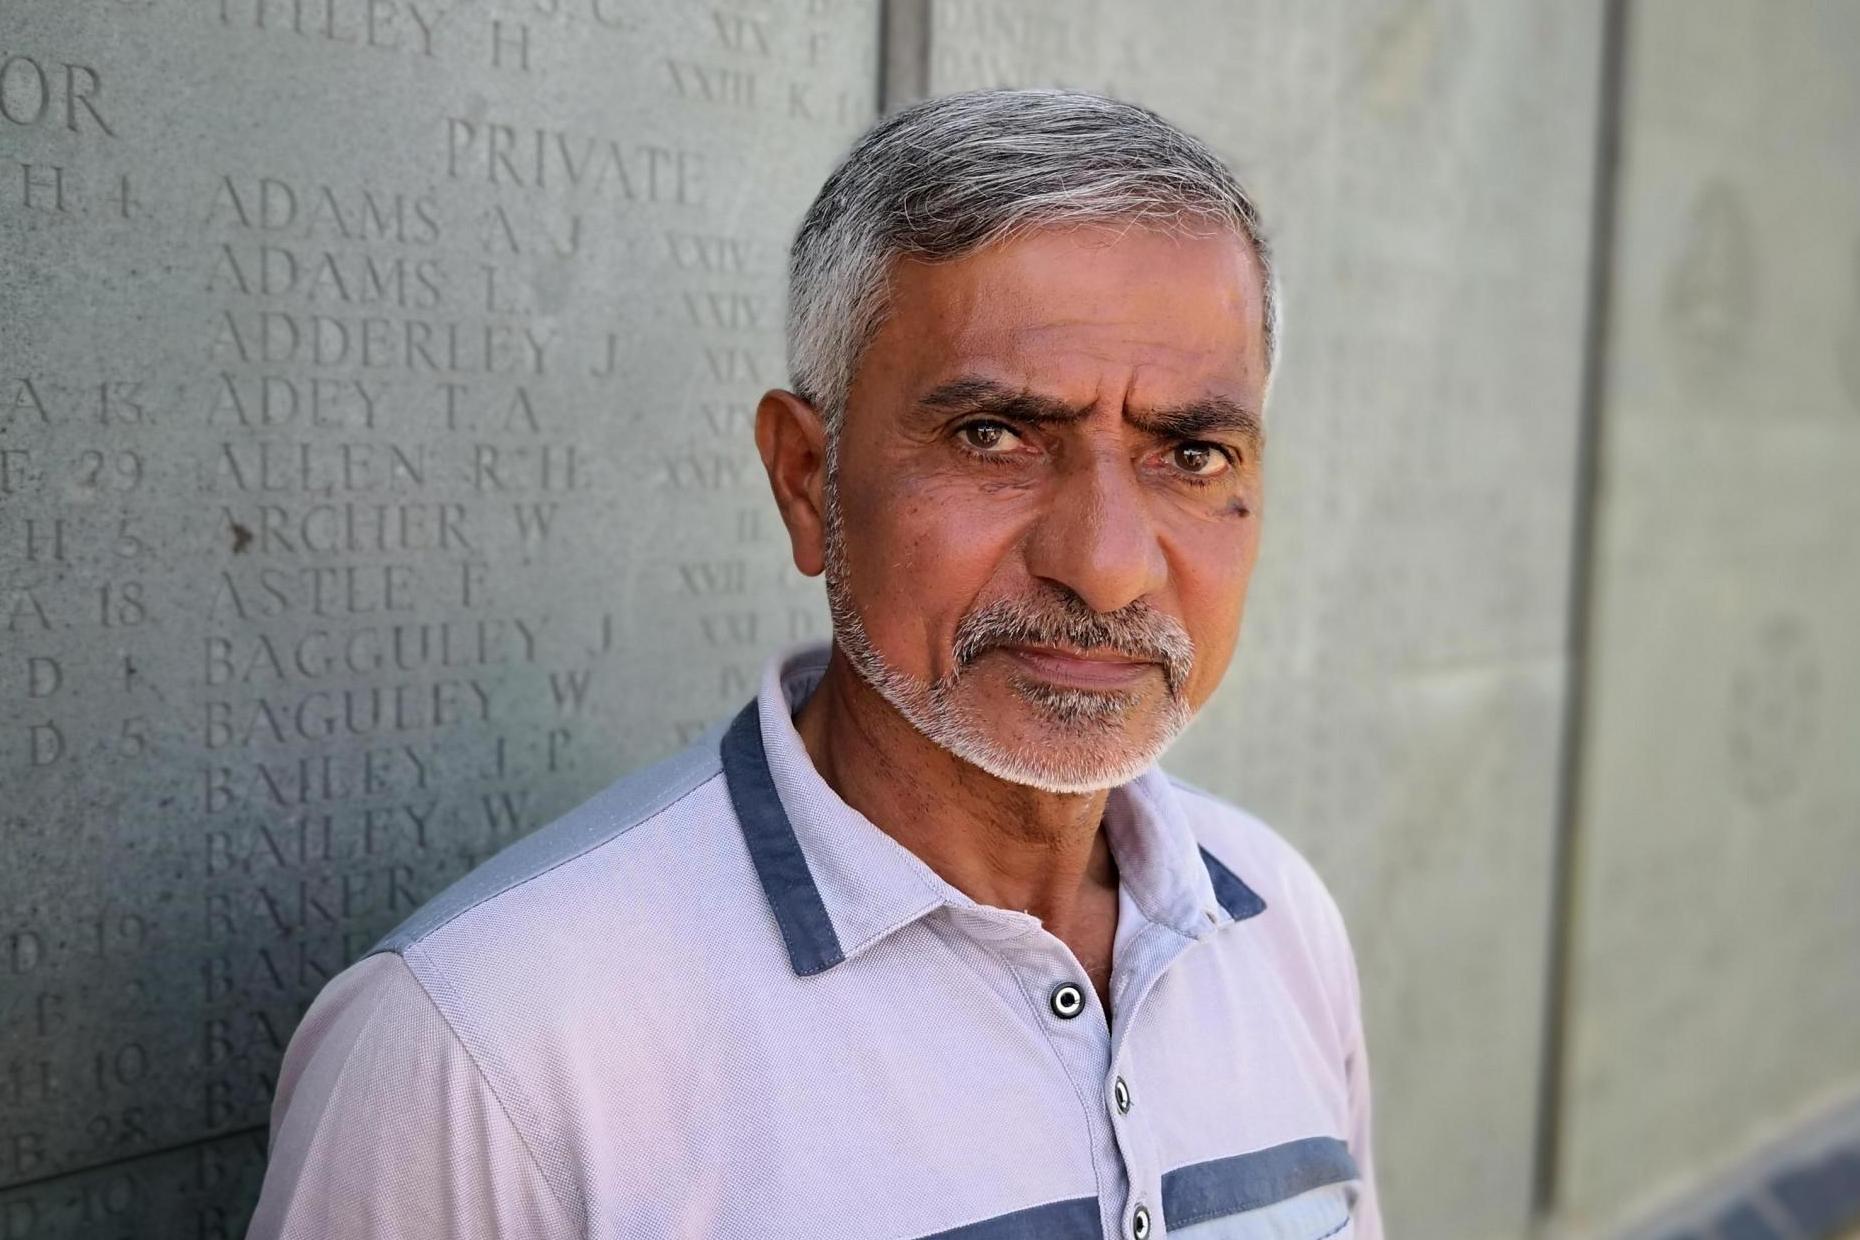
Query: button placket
1149,954
1053,982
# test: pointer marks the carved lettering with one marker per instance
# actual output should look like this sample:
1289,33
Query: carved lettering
541,158
34,92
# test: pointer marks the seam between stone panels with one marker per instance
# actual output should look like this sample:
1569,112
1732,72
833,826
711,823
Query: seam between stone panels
1601,290
903,69
592,847
578,1217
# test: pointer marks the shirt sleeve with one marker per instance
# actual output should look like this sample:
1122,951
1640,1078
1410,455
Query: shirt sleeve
384,1127
1366,1214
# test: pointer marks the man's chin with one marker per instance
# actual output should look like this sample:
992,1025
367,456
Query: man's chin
1041,712
1015,728
1052,768
1025,744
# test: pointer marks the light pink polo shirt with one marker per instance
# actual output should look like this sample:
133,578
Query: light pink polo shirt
715,1001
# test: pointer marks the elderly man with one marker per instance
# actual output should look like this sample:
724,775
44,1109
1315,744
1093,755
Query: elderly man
922,942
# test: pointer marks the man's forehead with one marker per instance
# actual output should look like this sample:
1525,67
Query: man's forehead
1173,318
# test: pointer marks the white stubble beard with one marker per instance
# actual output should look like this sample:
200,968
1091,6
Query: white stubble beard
935,708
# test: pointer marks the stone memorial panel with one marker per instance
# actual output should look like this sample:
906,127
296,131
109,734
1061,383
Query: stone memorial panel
1715,994
1394,709
376,483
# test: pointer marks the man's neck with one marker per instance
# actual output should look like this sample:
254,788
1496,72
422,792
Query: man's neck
999,843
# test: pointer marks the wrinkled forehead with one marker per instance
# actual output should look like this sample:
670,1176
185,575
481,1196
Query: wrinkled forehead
1082,314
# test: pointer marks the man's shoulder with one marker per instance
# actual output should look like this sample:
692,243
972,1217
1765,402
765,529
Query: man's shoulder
1263,858
602,833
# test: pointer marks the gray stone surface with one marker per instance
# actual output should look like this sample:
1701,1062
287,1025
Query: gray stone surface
1394,708
375,483
1716,994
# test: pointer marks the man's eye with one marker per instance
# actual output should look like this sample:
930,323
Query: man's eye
1204,460
988,437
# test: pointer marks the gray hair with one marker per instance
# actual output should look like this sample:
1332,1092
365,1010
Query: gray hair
946,177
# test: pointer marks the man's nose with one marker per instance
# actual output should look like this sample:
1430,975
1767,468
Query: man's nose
1097,538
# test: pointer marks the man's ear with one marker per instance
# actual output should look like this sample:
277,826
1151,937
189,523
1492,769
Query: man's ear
793,442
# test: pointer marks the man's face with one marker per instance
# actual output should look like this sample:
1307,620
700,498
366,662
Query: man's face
1044,504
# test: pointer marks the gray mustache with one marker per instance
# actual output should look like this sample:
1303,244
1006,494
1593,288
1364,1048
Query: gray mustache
1137,631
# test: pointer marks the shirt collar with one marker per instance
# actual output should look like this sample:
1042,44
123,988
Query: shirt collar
837,884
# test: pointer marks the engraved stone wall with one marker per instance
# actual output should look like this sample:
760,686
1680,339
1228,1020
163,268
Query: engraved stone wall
1394,707
1716,972
375,484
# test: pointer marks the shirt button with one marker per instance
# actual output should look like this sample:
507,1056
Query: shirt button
1067,1001
1140,1223
1120,1094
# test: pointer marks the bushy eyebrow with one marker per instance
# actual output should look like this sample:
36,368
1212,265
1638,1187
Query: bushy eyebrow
1196,419
975,395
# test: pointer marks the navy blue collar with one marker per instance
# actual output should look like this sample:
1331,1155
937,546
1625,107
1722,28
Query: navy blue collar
1240,900
781,865
813,947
